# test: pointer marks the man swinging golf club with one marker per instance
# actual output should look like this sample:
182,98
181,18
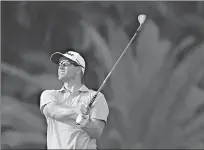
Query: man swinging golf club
76,115
62,107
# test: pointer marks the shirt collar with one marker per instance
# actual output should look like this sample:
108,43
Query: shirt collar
83,88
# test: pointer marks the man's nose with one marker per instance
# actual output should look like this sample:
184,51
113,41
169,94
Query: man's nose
61,67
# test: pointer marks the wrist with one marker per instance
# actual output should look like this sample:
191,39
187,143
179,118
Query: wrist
82,120
88,120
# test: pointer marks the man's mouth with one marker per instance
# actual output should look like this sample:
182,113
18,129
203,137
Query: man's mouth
61,72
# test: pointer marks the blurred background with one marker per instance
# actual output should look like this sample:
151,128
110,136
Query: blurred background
155,94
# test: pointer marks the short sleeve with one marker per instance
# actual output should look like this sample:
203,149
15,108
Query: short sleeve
100,108
46,97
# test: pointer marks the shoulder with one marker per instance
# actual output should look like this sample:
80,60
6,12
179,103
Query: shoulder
93,92
100,99
47,93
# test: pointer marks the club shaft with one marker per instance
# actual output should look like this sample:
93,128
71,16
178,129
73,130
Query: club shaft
123,53
116,63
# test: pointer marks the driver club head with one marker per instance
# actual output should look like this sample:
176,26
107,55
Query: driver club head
141,18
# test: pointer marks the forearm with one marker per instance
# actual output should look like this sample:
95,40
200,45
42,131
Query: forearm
59,112
93,130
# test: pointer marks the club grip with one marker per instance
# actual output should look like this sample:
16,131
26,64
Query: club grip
93,99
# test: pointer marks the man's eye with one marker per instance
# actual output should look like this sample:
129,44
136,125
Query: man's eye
65,64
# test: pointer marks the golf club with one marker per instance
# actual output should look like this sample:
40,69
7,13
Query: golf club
141,19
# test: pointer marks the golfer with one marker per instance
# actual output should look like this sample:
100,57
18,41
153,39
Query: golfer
62,106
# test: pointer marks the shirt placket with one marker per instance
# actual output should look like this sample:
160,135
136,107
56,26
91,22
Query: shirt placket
70,99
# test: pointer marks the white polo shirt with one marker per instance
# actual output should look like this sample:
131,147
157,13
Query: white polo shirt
68,135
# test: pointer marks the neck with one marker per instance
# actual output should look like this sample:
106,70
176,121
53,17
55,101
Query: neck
73,86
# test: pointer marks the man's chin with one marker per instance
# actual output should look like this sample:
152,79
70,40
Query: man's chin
61,78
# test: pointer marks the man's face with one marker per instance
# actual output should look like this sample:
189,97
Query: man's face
66,69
